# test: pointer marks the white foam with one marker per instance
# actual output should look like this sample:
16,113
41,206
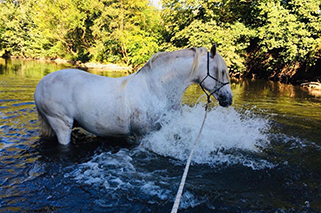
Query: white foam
225,129
226,139
189,200
116,173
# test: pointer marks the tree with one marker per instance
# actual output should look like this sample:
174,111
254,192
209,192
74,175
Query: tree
99,30
201,23
66,26
288,36
127,31
18,29
268,38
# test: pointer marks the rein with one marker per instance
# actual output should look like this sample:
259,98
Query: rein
181,186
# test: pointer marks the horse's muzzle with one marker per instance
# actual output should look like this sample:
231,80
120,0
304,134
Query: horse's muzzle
225,101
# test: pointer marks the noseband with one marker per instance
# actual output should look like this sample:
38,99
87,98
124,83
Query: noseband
215,79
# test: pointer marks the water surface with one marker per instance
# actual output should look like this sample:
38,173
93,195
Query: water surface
261,155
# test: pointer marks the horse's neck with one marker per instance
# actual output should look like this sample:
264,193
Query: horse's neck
170,80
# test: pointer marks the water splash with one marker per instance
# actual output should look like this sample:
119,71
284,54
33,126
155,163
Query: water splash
119,172
224,130
146,172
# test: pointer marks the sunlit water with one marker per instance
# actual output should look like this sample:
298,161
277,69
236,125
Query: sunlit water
263,154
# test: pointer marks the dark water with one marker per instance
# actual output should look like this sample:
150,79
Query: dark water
261,155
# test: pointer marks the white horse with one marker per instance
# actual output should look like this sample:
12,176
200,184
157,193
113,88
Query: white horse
130,105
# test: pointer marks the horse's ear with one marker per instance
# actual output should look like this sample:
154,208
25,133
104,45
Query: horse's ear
213,50
193,48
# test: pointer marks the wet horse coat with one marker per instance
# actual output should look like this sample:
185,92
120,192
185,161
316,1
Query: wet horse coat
130,105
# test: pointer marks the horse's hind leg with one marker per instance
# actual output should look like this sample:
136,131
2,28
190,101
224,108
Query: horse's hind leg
62,127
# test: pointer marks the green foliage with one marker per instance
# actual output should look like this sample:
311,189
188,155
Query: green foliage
274,34
289,32
251,34
125,31
17,29
232,40
199,23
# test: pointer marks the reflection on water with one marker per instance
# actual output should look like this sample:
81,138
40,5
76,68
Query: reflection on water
262,154
28,69
313,92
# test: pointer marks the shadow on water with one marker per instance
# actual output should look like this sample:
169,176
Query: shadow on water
81,148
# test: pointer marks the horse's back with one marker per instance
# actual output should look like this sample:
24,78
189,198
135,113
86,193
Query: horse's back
65,78
63,82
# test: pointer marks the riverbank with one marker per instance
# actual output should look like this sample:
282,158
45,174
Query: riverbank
296,76
95,66
77,64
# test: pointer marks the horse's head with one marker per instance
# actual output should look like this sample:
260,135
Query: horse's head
213,76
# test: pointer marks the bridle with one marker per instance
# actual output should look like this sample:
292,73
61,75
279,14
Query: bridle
215,79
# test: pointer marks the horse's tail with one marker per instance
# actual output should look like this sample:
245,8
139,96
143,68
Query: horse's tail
45,129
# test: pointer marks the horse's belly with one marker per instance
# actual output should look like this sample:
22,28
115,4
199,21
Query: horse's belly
105,127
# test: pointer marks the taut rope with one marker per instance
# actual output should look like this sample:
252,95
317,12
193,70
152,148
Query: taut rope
181,186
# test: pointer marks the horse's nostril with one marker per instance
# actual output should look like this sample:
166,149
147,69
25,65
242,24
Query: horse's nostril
225,101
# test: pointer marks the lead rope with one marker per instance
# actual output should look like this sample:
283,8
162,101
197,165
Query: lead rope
183,180
181,186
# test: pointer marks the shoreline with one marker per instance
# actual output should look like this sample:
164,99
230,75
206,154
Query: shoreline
78,65
101,67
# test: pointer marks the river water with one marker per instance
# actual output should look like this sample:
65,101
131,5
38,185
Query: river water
263,154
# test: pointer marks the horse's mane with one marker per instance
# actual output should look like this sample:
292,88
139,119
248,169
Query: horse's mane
167,56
